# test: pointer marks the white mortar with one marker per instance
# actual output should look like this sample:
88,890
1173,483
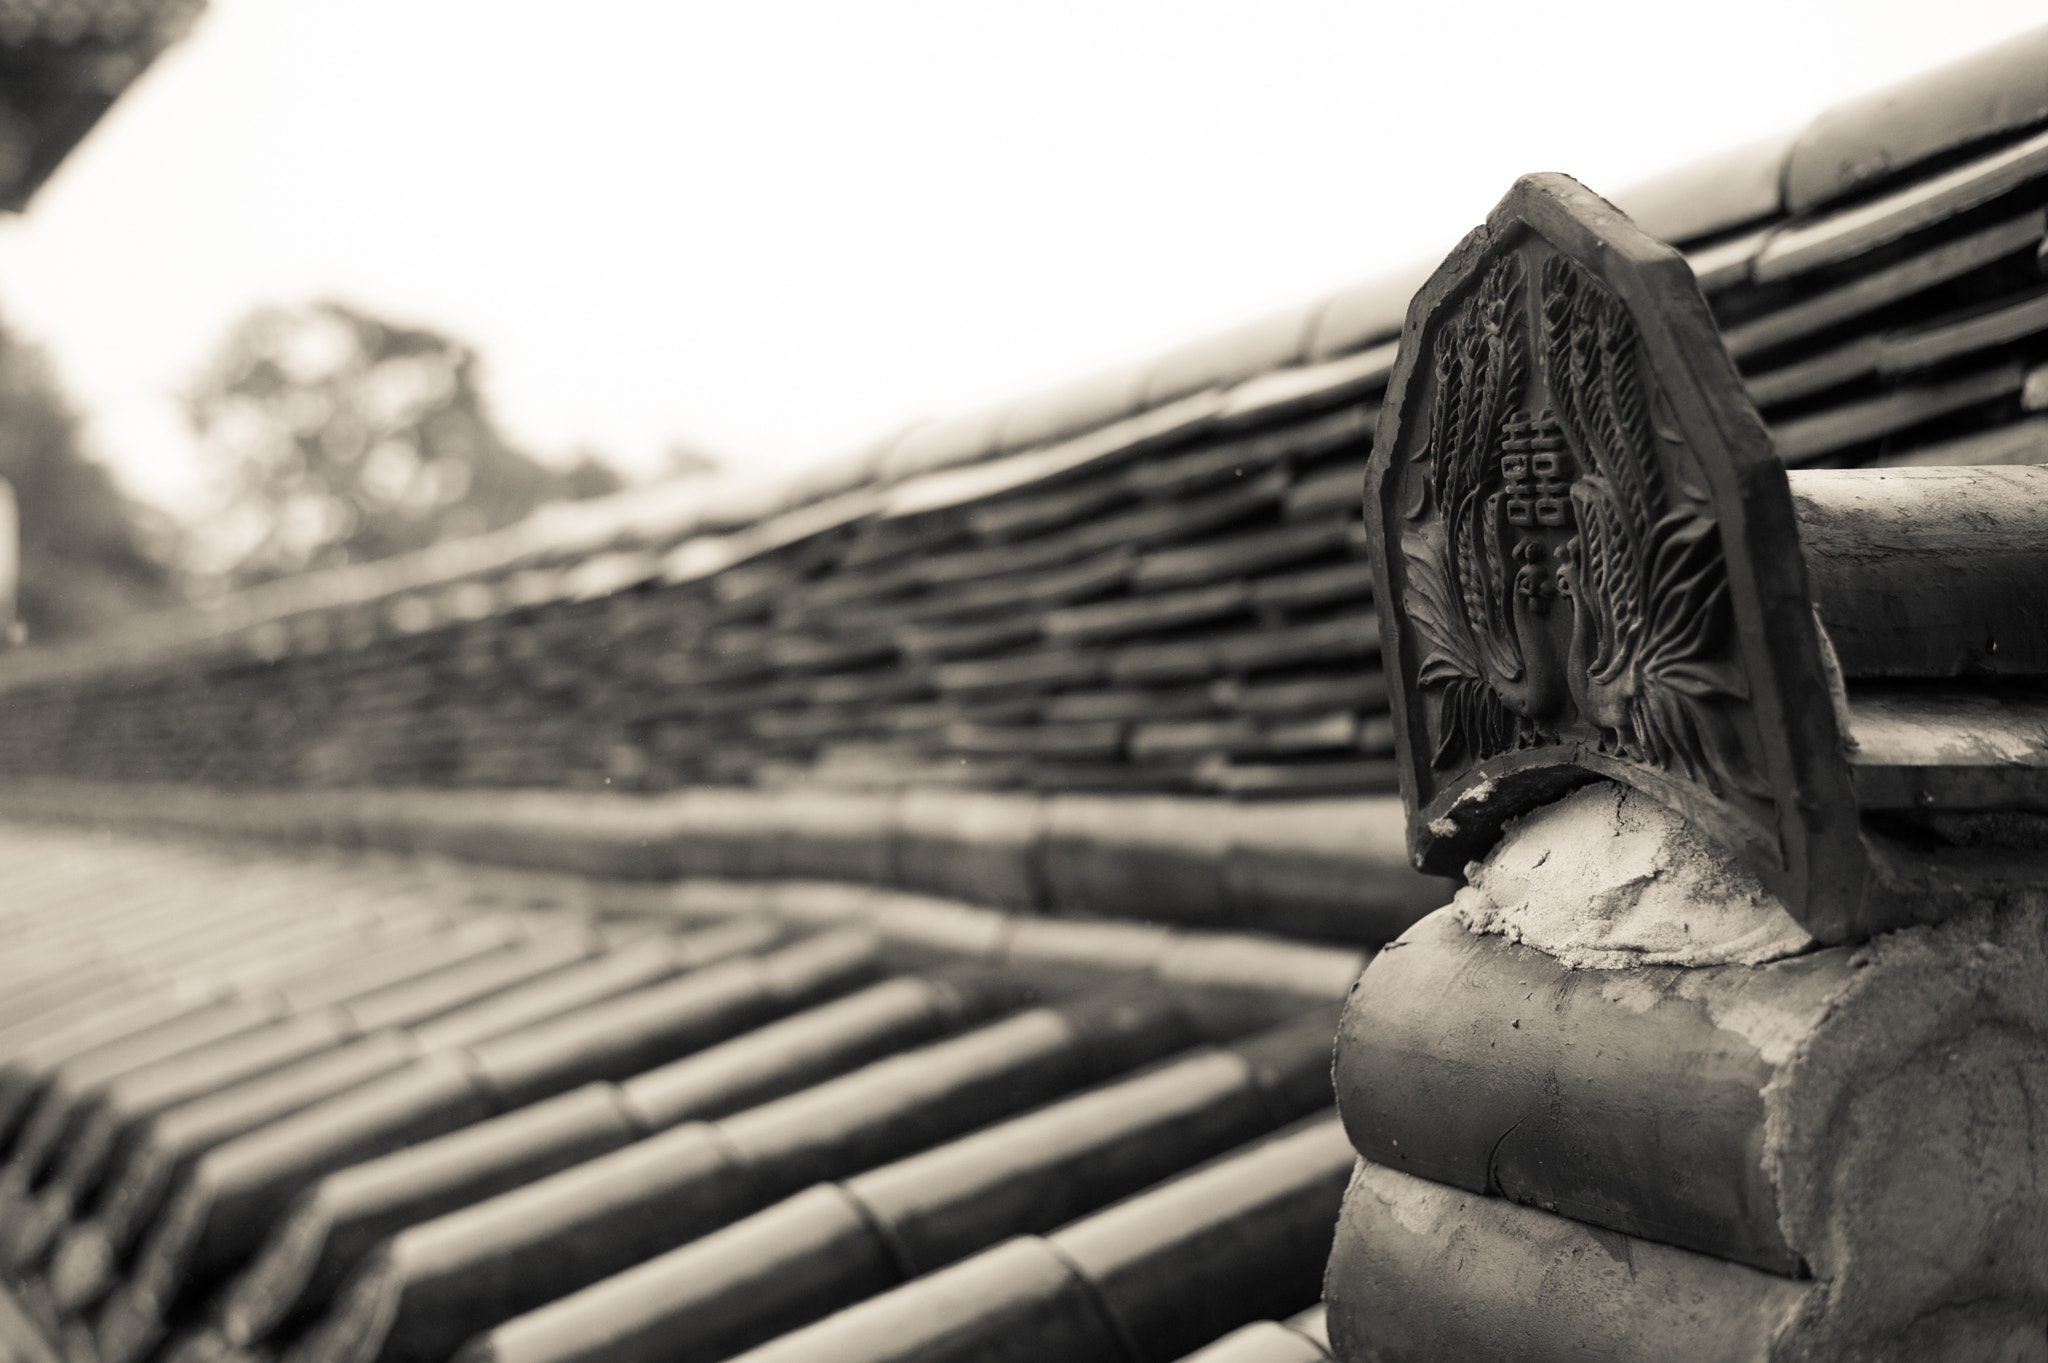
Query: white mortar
1608,878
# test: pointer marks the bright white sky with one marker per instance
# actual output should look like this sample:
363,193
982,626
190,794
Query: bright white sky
778,228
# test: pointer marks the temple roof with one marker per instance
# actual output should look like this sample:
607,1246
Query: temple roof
1148,581
63,63
1847,262
809,999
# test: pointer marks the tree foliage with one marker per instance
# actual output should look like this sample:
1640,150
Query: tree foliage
89,555
341,437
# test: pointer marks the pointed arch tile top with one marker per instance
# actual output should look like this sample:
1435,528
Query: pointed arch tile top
1591,562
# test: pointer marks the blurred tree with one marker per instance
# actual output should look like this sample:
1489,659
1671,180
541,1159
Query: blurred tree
89,555
341,437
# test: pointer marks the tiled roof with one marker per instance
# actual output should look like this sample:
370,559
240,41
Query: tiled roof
1144,581
259,1105
62,63
1332,869
64,23
810,1049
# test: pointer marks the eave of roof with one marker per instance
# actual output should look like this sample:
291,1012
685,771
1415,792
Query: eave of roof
63,63
1755,210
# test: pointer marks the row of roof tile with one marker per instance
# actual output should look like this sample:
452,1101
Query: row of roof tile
62,64
240,1093
989,598
64,23
1112,609
1805,198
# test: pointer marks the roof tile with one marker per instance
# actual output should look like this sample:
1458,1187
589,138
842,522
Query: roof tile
1271,342
1071,408
942,444
1864,142
1713,195
1367,313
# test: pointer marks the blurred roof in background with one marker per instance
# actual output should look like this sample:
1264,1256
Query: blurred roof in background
63,63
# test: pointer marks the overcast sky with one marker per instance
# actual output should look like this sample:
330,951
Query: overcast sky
777,228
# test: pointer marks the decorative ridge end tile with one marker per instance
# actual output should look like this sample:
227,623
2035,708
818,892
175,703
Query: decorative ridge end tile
1590,562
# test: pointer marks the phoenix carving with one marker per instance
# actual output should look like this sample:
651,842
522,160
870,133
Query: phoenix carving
1558,587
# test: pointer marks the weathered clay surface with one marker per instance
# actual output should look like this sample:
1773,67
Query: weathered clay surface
1632,1100
1928,572
1422,1272
1897,1126
1905,1136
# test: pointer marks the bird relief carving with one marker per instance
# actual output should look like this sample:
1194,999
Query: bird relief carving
1589,563
1565,577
